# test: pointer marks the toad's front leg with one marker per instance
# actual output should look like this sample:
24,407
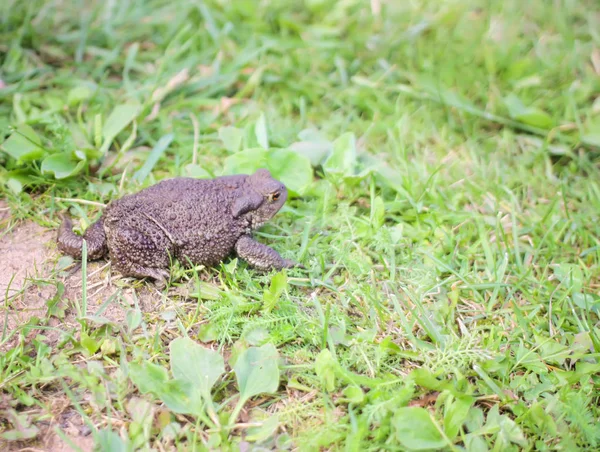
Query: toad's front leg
261,256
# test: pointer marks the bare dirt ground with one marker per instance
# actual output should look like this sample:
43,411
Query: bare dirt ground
30,280
49,441
22,252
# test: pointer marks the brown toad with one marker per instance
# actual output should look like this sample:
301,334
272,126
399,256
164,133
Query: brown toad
197,221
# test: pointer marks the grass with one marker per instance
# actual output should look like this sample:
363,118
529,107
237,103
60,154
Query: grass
450,299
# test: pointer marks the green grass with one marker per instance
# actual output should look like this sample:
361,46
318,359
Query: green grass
451,297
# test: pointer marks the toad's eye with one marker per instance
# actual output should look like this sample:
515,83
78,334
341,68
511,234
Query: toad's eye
274,196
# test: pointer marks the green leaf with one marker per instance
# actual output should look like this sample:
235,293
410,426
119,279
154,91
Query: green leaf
194,170
291,168
260,129
277,287
475,419
264,431
108,347
475,443
424,377
231,137
515,105
528,115
157,151
14,185
207,291
377,213
284,442
454,99
542,420
117,121
570,275
314,151
152,379
239,347
313,135
133,318
53,102
22,428
325,367
256,336
18,108
142,417
553,352
109,441
589,302
89,344
510,431
354,394
61,165
389,346
176,395
246,161
207,332
17,179
456,411
257,371
337,334
196,365
342,160
415,429
148,377
530,360
591,139
536,118
23,144
79,94
56,305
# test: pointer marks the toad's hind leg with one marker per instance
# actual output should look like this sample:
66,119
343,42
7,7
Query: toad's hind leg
141,255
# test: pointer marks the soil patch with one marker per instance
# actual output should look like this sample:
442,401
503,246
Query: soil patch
48,441
40,289
23,250
31,283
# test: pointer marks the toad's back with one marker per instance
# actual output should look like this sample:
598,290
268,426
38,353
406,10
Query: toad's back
182,204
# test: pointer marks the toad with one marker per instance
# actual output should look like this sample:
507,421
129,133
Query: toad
197,221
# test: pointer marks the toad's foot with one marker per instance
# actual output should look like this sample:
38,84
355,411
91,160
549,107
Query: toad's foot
159,275
261,256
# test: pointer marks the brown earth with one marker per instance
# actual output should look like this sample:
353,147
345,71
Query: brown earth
22,252
48,441
31,275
